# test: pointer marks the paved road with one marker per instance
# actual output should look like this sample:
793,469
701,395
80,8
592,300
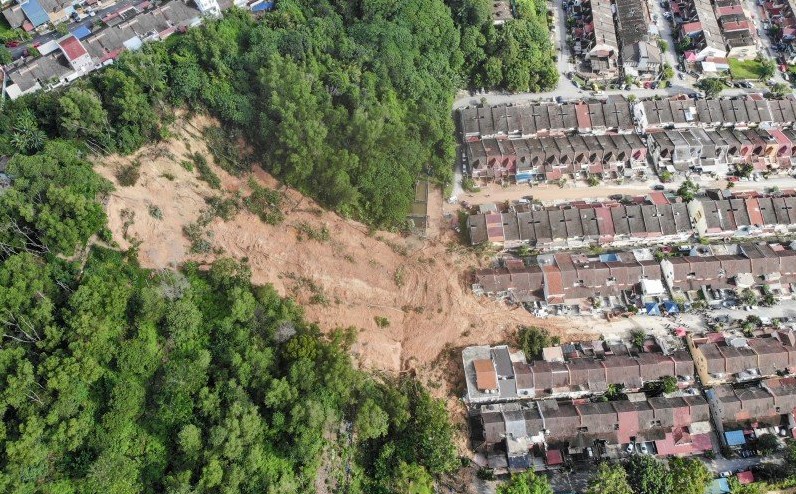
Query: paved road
72,25
502,98
665,31
785,308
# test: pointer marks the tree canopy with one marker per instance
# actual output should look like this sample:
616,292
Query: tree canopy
611,478
525,483
349,101
516,55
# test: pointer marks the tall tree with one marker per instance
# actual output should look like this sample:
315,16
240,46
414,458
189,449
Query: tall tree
611,478
648,475
525,483
689,475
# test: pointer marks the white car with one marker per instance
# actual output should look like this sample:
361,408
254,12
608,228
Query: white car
630,448
643,448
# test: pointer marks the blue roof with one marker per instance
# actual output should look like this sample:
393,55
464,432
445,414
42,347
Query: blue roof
609,257
35,14
652,309
81,32
671,307
719,486
735,438
262,6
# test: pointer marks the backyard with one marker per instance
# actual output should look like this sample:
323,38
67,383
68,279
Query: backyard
747,69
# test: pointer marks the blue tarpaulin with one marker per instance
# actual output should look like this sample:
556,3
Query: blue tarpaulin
652,309
262,6
671,307
609,257
735,438
81,32
35,13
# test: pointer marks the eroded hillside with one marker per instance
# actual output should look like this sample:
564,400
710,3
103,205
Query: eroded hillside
407,296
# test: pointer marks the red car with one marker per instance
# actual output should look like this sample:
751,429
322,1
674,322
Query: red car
12,43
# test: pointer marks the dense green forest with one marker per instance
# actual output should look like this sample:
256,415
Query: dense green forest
121,380
349,101
517,55
117,379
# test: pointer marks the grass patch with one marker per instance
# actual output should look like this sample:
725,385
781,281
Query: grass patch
748,69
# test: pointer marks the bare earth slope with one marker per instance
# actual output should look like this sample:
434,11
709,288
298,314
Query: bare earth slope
418,285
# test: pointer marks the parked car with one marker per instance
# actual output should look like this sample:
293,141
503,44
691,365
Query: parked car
726,474
630,448
658,187
643,448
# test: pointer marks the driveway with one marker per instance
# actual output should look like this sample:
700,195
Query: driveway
576,481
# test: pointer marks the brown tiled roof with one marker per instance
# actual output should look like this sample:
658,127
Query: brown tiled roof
485,375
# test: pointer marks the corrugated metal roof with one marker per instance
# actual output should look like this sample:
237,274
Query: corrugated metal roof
35,13
81,32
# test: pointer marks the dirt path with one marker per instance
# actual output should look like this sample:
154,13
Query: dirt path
418,287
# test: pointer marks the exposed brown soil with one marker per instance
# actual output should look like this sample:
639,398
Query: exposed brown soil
419,285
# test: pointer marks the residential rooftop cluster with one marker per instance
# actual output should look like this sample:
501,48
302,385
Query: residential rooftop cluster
542,119
550,158
656,218
568,371
535,414
615,139
79,53
721,151
636,279
572,225
723,357
616,39
90,46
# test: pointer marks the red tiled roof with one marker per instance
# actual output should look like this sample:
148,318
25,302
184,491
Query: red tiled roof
582,114
745,478
553,281
658,198
485,375
735,26
691,27
753,209
554,457
72,48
